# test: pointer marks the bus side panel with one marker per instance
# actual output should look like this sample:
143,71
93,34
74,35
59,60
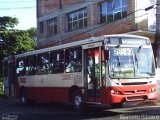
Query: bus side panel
52,87
48,93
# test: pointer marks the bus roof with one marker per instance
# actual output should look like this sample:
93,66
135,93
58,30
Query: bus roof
125,36
77,43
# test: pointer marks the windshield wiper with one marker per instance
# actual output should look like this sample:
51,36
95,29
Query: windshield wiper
119,64
140,47
136,60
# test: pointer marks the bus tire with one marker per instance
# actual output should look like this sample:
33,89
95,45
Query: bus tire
117,105
77,101
24,98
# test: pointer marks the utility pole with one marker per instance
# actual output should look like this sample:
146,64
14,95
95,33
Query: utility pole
157,37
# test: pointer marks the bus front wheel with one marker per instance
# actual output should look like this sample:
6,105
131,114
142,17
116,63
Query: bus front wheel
117,105
77,101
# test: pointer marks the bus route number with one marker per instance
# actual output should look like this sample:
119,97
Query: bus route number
123,52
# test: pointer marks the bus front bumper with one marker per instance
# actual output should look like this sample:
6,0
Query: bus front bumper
132,98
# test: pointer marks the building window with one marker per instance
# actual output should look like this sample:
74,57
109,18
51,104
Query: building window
113,10
77,20
52,26
41,27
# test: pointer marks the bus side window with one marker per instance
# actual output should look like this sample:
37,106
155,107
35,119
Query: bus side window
31,65
73,59
57,61
43,63
21,70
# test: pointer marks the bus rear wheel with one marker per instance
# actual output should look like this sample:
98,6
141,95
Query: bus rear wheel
77,101
24,99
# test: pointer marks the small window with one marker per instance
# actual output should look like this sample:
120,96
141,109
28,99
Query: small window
21,71
41,27
73,57
57,61
52,26
43,64
31,65
5,68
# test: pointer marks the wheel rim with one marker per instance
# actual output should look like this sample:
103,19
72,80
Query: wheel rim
23,99
77,101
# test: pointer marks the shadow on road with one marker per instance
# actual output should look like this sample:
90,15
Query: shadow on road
57,111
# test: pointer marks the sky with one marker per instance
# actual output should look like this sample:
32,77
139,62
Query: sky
24,10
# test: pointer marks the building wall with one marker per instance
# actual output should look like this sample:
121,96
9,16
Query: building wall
48,9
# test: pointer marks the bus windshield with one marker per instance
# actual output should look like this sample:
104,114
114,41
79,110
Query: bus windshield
131,62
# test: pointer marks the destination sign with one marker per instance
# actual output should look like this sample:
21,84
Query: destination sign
127,41
134,41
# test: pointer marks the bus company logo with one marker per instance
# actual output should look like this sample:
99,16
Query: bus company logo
22,80
66,77
90,46
124,81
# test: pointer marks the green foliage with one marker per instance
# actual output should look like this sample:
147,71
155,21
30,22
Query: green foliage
24,42
14,42
1,88
7,22
33,33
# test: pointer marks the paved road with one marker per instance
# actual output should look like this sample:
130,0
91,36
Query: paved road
13,110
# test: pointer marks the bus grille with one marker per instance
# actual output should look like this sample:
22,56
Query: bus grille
134,92
135,83
136,98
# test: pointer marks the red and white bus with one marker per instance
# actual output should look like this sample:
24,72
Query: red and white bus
110,69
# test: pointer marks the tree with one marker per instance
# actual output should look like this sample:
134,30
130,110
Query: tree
7,23
24,42
13,41
33,33
16,42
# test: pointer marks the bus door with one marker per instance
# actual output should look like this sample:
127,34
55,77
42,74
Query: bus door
92,76
12,78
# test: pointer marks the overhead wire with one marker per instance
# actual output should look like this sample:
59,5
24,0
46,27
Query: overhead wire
46,5
16,2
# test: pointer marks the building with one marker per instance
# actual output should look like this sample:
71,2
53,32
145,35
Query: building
62,21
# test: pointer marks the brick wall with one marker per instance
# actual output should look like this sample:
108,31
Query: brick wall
94,28
48,6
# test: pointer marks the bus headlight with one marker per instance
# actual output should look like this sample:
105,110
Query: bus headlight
115,92
152,89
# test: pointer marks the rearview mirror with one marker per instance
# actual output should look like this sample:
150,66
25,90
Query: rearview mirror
107,54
